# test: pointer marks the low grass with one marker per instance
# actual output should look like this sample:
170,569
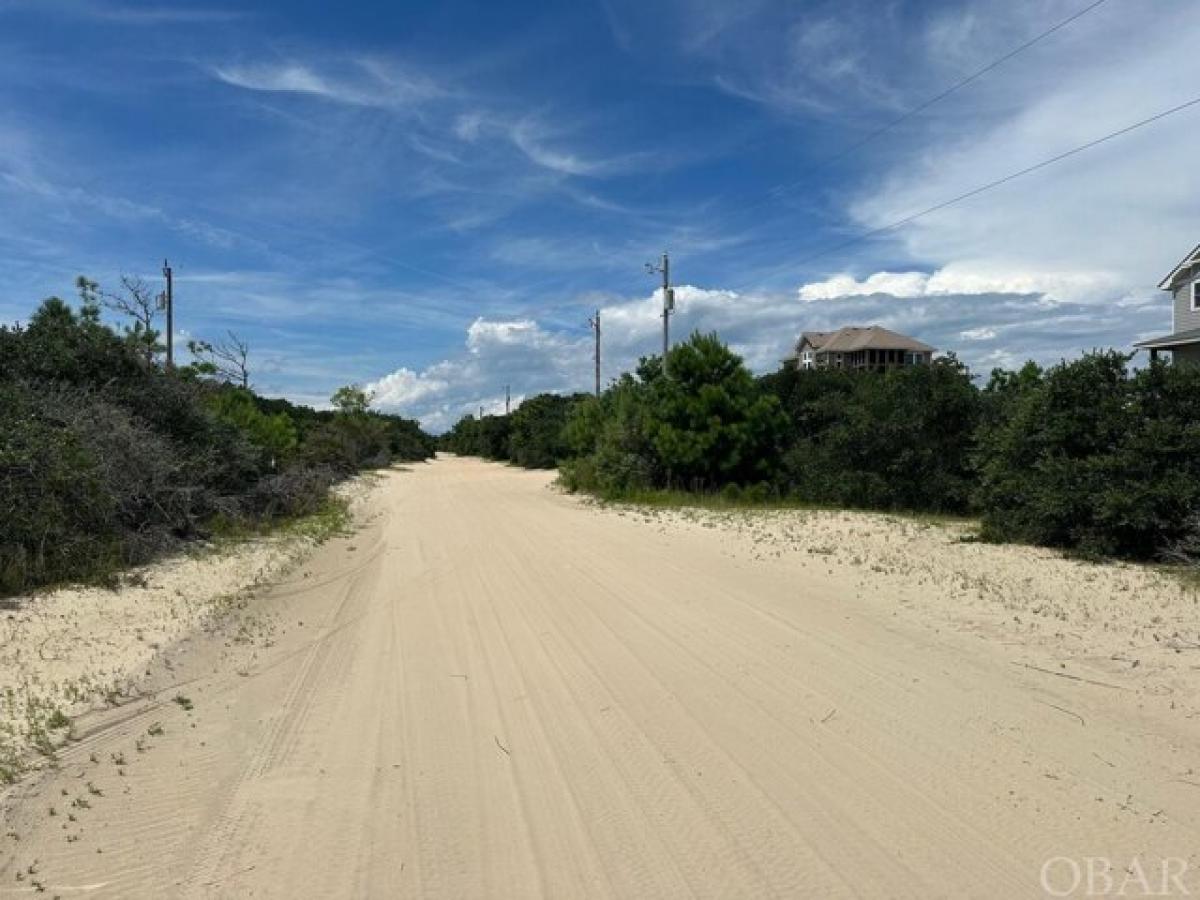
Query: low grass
331,519
720,501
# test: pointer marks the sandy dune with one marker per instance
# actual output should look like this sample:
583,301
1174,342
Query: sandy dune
495,690
64,651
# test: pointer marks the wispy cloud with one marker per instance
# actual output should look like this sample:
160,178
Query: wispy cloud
362,82
533,138
73,198
1112,214
164,15
457,118
356,209
148,15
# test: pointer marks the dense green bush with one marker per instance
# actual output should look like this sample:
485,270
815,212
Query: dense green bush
536,437
88,487
709,422
705,425
486,437
1092,457
58,515
274,434
405,440
899,439
107,459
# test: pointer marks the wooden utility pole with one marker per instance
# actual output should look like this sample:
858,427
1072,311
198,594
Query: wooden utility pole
594,322
668,301
668,307
507,398
170,304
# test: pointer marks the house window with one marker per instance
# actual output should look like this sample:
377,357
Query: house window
1195,295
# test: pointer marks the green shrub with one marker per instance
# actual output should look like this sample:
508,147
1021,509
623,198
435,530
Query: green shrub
705,425
86,488
487,437
1090,457
274,435
708,421
107,459
537,431
900,439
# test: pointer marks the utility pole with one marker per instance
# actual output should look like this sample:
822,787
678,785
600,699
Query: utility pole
507,397
668,301
169,301
594,322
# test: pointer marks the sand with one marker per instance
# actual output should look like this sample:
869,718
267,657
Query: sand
497,690
66,651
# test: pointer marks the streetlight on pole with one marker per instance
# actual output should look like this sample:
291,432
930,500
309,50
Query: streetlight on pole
668,301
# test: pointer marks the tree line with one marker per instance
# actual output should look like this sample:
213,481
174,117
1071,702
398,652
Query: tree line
108,457
1089,455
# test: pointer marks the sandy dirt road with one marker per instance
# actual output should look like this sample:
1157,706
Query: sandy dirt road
492,690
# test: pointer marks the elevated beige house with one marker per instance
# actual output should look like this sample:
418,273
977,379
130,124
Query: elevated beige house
854,347
1184,285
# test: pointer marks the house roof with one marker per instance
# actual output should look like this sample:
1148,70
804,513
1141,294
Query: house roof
814,338
853,338
1192,259
1166,342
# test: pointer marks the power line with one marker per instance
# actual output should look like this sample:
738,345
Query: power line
850,149
966,195
904,117
974,192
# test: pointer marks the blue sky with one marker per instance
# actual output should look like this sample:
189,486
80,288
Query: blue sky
431,198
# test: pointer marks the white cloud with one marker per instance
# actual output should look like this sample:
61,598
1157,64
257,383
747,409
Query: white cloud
290,77
531,139
518,353
542,146
361,82
968,278
898,284
405,387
